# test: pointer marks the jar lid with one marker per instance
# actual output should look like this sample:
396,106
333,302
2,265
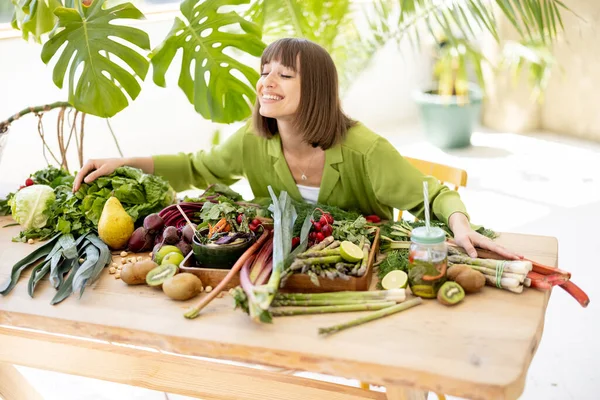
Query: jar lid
432,236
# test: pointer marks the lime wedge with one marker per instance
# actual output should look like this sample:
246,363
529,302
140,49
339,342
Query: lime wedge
394,280
350,252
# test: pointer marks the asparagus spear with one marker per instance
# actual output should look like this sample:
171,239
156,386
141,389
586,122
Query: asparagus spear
319,260
320,253
382,295
334,245
372,316
337,301
286,311
322,244
363,265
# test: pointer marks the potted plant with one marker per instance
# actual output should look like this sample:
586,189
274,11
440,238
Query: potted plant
451,106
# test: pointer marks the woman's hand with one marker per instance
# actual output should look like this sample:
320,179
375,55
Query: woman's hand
468,239
99,167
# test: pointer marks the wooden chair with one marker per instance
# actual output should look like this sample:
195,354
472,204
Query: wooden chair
444,173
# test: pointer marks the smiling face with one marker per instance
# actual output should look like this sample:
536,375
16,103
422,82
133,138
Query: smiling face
278,91
299,85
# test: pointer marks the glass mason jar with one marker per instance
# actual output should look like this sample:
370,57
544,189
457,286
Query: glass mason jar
428,260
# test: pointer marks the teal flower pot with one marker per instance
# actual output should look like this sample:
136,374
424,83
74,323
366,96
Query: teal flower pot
447,123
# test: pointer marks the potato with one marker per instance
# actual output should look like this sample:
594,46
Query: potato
182,286
135,273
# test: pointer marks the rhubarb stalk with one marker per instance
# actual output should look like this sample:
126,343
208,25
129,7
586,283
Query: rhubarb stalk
261,260
577,293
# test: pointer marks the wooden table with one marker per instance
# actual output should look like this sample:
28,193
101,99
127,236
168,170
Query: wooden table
480,349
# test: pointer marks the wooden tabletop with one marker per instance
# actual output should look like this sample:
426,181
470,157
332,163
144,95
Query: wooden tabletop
480,349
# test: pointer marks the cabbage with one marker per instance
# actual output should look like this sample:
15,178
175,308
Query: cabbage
28,206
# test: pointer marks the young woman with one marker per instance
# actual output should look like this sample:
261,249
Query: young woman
300,140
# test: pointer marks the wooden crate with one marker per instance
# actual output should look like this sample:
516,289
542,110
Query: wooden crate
295,283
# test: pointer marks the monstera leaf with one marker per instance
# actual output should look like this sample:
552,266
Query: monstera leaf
34,17
208,74
85,33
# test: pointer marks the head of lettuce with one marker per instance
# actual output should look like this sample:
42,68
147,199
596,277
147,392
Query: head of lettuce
29,206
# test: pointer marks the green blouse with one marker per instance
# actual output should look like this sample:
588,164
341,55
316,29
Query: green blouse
364,172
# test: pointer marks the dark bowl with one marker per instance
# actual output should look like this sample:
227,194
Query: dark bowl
220,256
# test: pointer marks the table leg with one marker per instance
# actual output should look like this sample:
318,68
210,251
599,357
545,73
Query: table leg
14,386
401,393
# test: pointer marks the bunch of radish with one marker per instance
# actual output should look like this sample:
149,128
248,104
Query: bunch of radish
321,228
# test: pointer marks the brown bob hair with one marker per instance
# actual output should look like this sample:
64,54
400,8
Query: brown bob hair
319,117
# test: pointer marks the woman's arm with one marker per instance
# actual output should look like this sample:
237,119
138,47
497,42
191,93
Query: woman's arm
399,184
221,164
96,168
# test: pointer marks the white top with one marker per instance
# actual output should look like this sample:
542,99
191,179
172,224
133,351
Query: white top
310,194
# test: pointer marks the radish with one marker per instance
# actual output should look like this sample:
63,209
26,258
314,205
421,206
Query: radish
295,241
327,230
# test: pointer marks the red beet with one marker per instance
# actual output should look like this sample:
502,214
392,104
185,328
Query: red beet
140,240
153,223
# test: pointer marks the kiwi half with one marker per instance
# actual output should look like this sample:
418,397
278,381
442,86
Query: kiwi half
158,275
450,293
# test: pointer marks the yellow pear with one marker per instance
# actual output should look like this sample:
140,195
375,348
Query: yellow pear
115,226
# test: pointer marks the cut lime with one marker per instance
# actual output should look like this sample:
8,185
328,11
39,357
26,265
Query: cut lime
394,280
350,252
